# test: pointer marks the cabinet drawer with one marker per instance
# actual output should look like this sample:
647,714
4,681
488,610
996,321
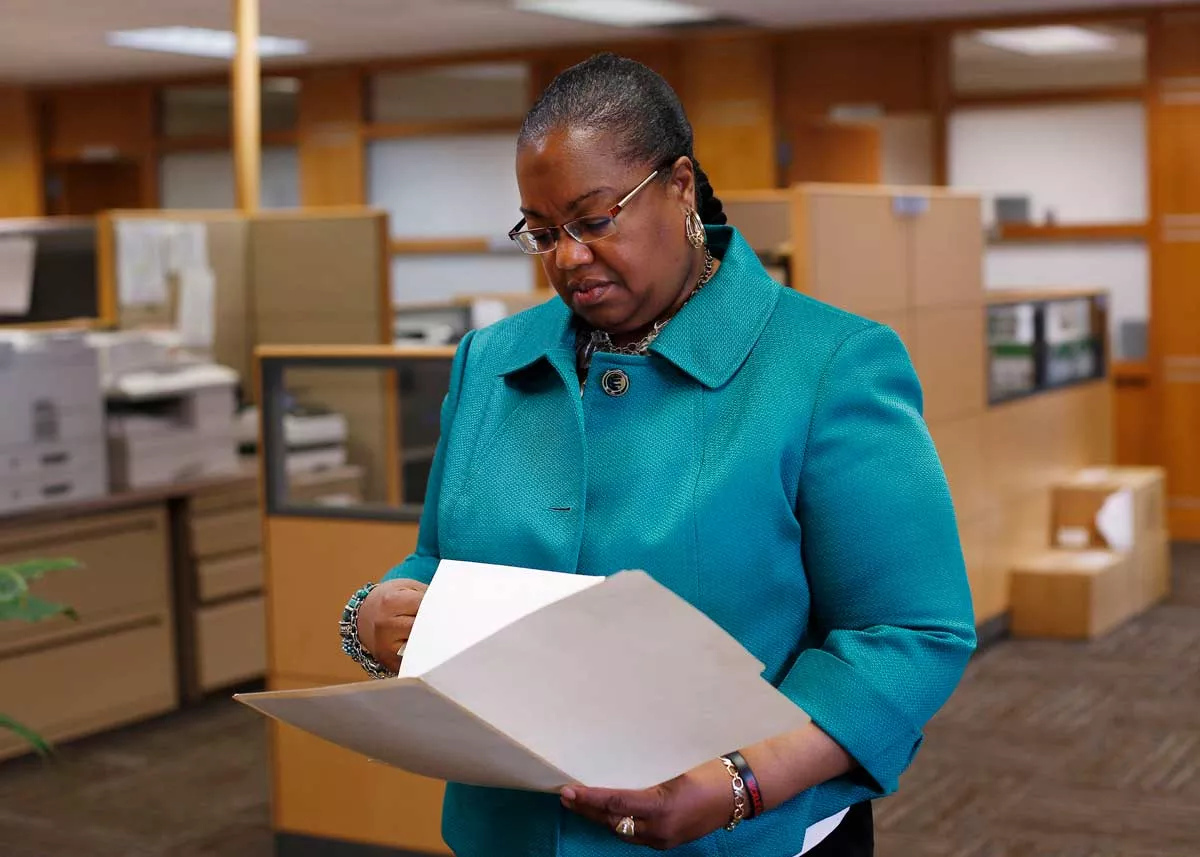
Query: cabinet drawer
125,574
76,689
229,575
231,642
226,532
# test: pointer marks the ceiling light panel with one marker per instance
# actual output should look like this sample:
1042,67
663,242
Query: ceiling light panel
1047,41
620,13
200,42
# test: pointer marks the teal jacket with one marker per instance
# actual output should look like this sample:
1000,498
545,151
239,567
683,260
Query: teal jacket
769,463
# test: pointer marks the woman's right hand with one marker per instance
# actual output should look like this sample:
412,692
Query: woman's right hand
385,619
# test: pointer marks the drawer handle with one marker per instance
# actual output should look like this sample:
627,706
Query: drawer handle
56,458
57,490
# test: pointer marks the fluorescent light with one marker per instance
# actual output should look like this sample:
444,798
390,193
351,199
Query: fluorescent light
1048,40
199,42
620,13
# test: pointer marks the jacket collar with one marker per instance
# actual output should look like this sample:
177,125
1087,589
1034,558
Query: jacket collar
708,340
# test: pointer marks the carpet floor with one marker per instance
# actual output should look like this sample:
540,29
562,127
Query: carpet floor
1046,750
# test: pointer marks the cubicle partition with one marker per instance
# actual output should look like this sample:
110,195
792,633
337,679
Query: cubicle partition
316,556
61,284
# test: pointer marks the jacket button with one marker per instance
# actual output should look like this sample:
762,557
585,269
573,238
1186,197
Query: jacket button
614,382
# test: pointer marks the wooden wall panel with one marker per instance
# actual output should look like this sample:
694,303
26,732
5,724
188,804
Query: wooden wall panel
1133,416
332,154
20,162
100,122
727,88
821,68
824,151
1175,260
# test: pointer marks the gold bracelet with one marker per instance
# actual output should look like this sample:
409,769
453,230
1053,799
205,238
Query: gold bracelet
739,793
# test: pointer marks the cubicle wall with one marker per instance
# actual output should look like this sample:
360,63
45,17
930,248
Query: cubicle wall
316,557
284,277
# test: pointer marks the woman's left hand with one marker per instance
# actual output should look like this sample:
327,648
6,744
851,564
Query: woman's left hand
679,811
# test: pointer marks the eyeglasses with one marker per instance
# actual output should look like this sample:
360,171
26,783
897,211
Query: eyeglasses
585,230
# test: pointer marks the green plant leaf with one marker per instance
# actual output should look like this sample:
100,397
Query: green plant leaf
32,569
12,585
36,741
34,609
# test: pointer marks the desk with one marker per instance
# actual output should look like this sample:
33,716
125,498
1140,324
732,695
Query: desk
169,599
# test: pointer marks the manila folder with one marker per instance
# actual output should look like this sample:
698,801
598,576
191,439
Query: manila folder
610,682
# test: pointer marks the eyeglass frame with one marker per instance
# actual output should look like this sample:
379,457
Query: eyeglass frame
562,227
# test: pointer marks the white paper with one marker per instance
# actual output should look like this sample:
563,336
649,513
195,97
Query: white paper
195,316
1074,538
619,684
1115,520
485,311
472,601
16,274
187,246
141,262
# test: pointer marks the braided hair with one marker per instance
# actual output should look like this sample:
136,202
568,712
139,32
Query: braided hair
612,94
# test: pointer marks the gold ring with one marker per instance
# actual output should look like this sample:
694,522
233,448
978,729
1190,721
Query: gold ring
627,827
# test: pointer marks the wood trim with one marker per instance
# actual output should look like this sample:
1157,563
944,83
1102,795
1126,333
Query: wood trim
941,83
221,142
439,246
439,127
1133,372
1022,232
1022,98
387,314
106,271
370,352
1016,296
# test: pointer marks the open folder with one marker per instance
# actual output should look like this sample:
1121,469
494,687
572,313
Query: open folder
534,680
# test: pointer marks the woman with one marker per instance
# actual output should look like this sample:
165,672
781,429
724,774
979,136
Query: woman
758,452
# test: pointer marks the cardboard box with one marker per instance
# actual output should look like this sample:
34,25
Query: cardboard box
1070,595
1077,505
1152,570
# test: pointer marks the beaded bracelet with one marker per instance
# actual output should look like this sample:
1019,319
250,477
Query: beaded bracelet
351,645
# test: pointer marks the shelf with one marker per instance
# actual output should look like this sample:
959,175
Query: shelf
1032,233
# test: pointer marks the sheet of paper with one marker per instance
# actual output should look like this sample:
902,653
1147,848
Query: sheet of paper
196,308
187,246
405,723
1115,520
16,274
619,685
469,602
141,263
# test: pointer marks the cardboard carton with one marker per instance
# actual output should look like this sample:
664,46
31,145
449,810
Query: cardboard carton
1071,595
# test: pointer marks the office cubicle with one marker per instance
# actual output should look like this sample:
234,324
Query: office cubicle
318,553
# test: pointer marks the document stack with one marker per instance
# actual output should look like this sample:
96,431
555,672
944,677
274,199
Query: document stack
52,422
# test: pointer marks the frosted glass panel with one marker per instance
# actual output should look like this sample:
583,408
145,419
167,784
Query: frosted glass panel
1122,269
205,179
417,279
453,186
1086,163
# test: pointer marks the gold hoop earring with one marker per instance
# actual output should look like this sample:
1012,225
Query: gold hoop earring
693,227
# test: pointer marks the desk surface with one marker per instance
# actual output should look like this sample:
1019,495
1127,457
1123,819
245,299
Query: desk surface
245,477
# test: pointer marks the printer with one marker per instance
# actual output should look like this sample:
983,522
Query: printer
52,439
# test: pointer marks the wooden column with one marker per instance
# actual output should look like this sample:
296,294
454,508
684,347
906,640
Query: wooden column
1175,260
20,160
247,130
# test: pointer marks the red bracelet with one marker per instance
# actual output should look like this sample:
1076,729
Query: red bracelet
752,789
